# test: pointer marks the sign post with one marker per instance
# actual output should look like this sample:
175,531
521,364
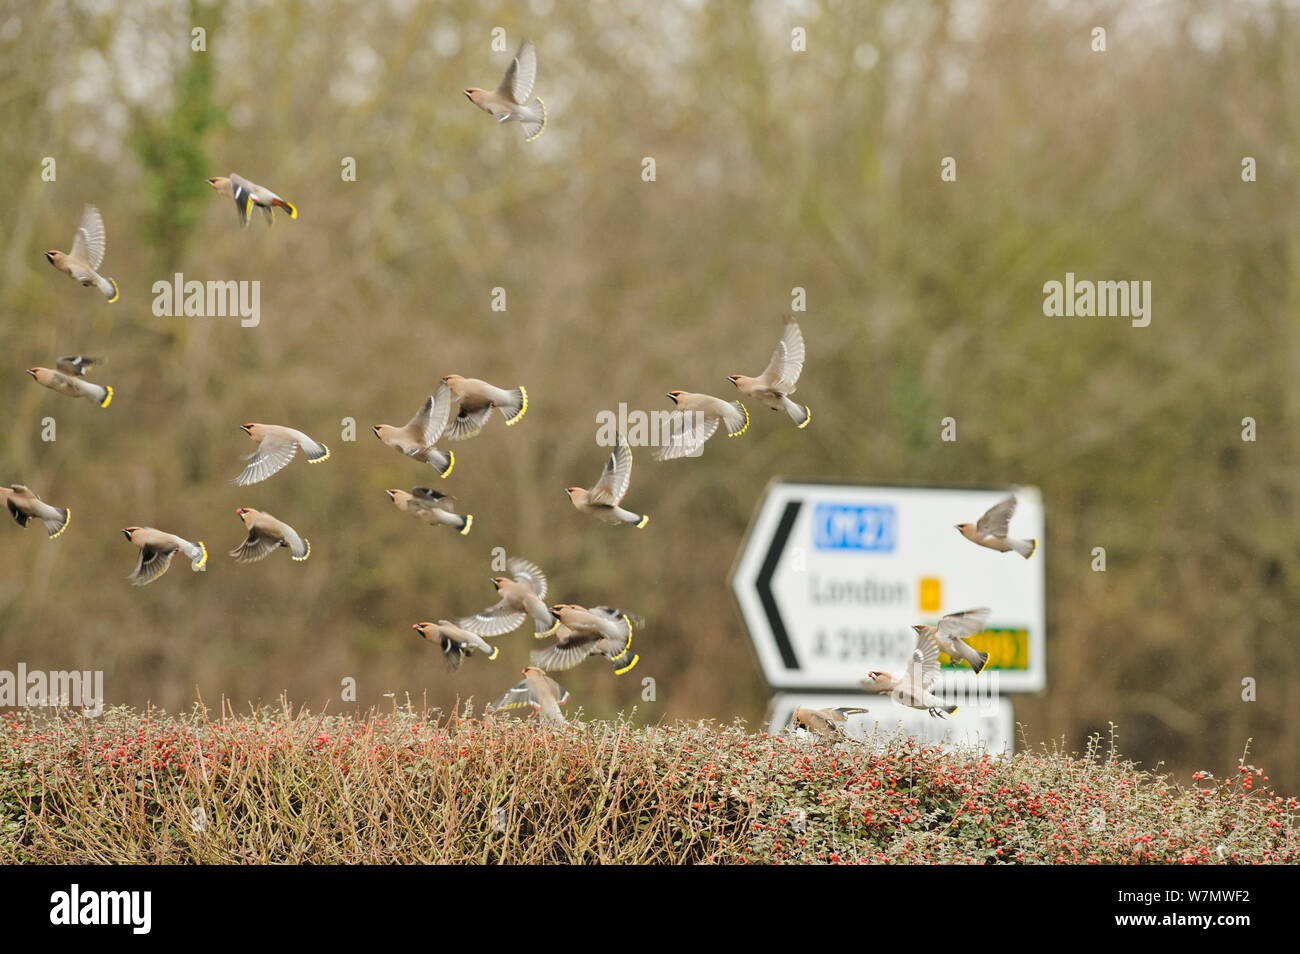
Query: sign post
832,577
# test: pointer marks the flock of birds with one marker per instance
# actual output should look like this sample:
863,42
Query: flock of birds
577,632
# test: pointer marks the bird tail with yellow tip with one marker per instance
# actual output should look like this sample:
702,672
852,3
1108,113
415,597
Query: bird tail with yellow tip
622,664
469,522
306,551
56,527
198,555
516,407
799,413
535,122
736,422
1025,548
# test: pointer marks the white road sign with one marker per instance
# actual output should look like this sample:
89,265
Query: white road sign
988,725
831,578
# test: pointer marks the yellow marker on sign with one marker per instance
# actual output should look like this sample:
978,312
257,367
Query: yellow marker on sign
930,601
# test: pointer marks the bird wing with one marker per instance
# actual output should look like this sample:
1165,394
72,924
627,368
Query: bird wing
997,518
689,432
272,456
496,620
468,423
152,563
17,514
520,74
526,571
433,499
568,652
963,624
256,547
75,364
431,420
90,243
615,478
787,360
923,667
516,697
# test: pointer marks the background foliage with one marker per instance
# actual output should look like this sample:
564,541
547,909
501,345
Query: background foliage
775,169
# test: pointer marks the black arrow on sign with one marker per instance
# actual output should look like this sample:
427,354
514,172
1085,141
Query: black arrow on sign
764,583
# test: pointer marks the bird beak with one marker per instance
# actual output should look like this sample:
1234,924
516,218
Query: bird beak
126,533
416,627
468,93
49,256
32,372
375,428
391,494
245,427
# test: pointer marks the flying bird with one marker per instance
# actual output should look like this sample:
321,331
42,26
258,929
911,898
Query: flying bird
417,437
23,505
913,688
777,382
522,595
88,246
248,194
265,533
826,724
477,398
537,690
603,500
509,102
600,631
68,379
697,420
276,446
156,552
991,530
432,507
456,643
952,632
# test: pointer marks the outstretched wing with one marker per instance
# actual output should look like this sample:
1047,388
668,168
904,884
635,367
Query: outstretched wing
77,365
271,457
152,563
995,521
964,624
468,423
567,653
520,74
526,571
516,697
923,667
783,370
257,546
690,430
615,478
90,243
431,420
496,620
